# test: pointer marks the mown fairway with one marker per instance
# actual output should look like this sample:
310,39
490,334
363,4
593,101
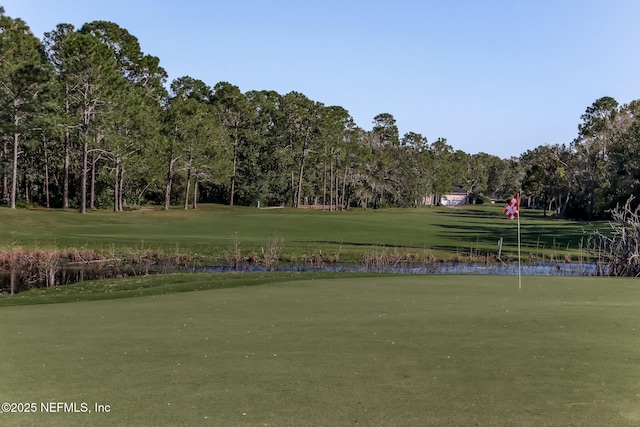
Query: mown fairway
333,351
214,230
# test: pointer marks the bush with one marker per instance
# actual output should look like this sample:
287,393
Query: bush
618,254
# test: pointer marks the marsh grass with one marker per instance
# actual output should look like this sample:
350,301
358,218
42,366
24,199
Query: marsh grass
34,268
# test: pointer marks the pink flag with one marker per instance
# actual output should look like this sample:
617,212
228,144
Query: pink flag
513,207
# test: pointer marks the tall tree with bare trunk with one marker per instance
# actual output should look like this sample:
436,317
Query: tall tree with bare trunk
24,72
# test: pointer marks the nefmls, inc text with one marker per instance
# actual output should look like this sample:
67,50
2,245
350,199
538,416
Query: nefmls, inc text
73,407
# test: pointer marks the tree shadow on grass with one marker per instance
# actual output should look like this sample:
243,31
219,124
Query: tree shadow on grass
549,236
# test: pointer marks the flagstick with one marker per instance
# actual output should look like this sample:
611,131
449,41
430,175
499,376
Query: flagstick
519,262
513,211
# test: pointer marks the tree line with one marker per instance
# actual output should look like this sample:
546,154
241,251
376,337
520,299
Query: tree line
87,121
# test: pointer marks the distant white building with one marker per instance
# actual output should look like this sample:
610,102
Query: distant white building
457,197
454,198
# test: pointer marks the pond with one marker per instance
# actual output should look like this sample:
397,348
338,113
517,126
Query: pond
539,269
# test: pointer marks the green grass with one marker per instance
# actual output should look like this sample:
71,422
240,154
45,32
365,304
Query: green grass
313,350
138,286
212,230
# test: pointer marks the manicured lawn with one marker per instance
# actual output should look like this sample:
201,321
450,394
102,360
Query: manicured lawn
348,236
318,350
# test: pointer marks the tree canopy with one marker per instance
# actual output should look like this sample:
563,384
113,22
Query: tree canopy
87,121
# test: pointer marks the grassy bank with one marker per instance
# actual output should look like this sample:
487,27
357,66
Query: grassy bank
378,350
222,231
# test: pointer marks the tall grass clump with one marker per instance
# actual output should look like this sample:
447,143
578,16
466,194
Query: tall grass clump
271,255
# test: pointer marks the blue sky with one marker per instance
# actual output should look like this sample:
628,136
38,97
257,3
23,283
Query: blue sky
494,76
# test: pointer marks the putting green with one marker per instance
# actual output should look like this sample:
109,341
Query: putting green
381,350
